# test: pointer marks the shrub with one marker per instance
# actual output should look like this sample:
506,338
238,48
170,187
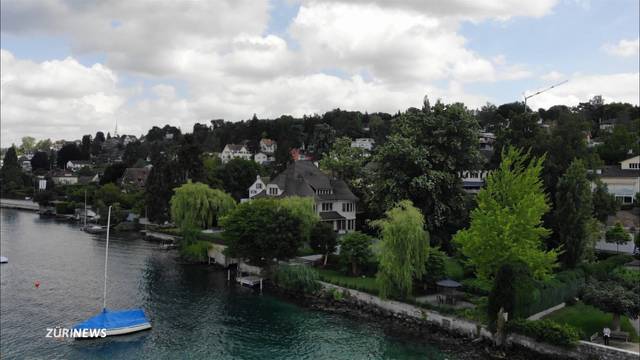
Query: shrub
195,250
601,269
297,278
476,286
546,331
545,294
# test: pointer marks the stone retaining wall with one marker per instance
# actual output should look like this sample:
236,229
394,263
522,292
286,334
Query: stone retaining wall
416,315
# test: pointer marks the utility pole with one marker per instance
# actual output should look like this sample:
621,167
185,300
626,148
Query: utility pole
526,97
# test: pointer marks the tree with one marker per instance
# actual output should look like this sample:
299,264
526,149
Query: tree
435,268
196,205
40,161
69,152
572,213
108,194
163,178
10,159
113,172
343,161
303,209
323,239
404,249
617,235
512,287
613,298
322,138
604,203
420,162
506,224
262,230
85,148
617,145
355,249
96,144
43,145
28,145
189,153
237,175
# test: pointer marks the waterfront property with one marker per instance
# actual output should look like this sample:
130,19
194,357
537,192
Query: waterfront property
334,201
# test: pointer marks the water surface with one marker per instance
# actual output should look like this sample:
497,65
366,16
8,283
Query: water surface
195,313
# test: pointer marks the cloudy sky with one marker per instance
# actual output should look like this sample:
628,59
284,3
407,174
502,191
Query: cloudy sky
70,67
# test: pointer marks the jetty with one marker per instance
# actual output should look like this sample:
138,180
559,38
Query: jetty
250,281
19,204
154,235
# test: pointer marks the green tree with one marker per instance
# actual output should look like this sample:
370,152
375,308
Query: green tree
28,145
572,213
237,175
420,162
196,205
302,209
617,235
404,249
323,239
343,161
617,145
435,268
604,203
163,178
43,145
108,194
506,225
355,250
69,152
212,168
10,159
40,161
613,298
85,148
113,172
262,230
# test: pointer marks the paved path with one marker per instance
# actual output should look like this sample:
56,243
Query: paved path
19,204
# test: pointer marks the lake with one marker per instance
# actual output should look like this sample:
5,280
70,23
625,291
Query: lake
194,311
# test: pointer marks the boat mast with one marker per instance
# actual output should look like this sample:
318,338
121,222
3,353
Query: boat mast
85,208
106,257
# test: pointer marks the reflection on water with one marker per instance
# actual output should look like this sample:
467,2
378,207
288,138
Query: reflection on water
195,313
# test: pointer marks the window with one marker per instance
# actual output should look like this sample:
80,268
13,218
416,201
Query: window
273,191
327,206
258,186
341,224
634,165
347,207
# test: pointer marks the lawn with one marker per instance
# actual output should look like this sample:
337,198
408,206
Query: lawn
589,319
366,284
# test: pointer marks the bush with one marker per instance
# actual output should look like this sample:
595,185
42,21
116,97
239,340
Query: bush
601,269
195,251
476,286
545,294
297,278
546,331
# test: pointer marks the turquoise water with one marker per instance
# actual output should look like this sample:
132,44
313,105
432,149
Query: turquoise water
195,313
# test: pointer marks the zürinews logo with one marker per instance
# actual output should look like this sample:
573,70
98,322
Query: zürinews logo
75,333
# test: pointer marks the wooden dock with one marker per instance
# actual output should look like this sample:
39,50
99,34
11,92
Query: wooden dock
19,204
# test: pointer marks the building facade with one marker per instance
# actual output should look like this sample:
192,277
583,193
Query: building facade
623,181
333,201
234,151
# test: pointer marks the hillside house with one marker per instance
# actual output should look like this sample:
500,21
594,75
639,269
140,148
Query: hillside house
623,181
333,201
136,177
363,143
234,151
268,146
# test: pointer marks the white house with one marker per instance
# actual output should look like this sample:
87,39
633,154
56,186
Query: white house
473,180
64,178
363,143
333,201
262,158
622,181
75,165
233,151
268,146
486,140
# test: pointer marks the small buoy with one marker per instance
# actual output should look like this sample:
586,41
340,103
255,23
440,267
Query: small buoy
37,284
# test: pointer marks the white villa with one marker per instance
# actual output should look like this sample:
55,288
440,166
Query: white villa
75,165
473,180
268,146
622,181
233,151
334,202
262,158
363,143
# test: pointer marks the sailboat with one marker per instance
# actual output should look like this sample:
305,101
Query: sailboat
111,322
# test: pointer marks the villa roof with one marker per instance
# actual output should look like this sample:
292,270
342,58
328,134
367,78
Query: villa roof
616,172
303,178
331,215
235,147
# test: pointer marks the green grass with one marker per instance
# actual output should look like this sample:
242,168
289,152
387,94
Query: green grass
590,320
366,284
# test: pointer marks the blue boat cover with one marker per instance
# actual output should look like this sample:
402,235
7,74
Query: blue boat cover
114,320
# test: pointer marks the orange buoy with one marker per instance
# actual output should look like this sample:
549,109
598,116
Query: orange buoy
37,284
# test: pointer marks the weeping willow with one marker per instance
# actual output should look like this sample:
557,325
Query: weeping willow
403,250
196,205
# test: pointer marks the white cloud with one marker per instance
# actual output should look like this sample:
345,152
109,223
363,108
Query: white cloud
622,87
623,48
389,54
553,76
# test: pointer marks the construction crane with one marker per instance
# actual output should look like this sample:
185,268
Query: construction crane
526,97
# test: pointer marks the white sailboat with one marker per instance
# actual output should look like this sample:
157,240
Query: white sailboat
113,322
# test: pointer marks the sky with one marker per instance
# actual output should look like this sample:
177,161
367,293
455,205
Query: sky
72,67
